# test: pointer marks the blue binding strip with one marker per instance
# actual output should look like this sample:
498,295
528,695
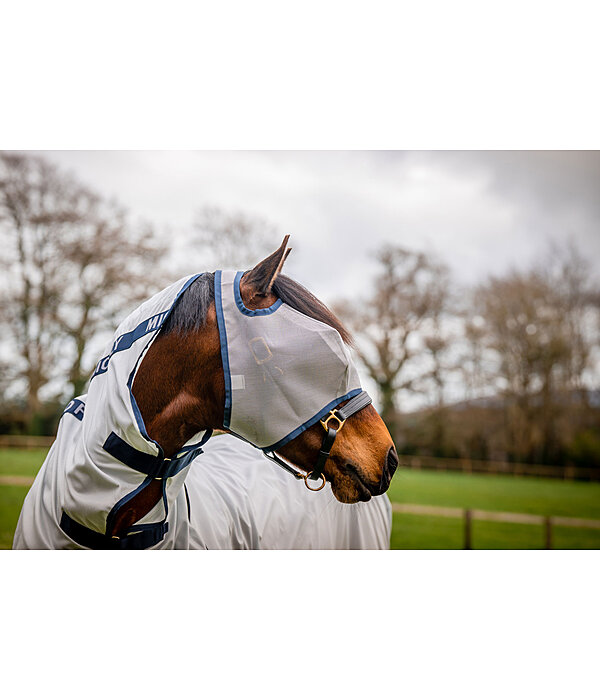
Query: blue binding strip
243,308
125,341
75,407
224,350
311,421
110,518
150,325
136,411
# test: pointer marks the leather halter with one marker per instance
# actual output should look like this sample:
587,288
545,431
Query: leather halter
340,415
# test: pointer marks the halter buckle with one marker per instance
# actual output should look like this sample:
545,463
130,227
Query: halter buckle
332,414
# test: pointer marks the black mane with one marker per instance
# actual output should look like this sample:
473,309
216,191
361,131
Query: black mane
191,308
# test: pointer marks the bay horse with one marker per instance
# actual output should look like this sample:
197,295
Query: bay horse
180,390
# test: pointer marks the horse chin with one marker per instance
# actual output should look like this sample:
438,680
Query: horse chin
349,488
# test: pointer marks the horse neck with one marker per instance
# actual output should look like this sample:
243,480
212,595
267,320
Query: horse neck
179,386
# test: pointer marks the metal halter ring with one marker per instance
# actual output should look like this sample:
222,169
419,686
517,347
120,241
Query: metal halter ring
305,477
332,414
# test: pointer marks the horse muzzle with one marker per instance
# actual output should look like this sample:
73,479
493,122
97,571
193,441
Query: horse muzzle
389,469
366,488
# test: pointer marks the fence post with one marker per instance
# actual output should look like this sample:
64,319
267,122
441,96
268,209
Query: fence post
570,472
467,529
548,532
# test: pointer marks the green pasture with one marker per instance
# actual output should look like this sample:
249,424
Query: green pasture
519,494
19,462
500,493
426,532
515,494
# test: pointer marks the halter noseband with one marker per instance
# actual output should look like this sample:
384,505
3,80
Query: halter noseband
340,415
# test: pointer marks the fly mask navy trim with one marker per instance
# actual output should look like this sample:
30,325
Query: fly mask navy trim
240,302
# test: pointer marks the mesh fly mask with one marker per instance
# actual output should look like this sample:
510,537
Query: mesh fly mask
284,372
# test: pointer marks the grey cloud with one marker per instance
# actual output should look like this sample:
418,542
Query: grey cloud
482,211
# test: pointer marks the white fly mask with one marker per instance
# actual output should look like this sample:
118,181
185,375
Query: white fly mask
283,370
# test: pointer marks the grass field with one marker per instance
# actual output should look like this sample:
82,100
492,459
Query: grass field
503,493
500,493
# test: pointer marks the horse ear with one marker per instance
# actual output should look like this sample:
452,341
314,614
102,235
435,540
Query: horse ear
261,278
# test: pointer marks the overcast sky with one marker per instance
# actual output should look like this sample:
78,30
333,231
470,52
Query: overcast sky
481,211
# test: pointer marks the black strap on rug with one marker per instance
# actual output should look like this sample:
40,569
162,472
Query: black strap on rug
137,537
156,467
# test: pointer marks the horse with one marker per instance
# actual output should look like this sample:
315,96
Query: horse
163,398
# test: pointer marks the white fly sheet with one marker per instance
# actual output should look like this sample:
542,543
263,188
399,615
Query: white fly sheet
103,456
234,498
241,500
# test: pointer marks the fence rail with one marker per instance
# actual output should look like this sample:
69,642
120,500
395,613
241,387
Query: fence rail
26,442
475,466
468,515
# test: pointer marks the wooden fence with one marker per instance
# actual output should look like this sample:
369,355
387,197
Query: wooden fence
26,442
468,515
474,466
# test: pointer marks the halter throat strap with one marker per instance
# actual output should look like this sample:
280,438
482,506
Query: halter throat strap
340,415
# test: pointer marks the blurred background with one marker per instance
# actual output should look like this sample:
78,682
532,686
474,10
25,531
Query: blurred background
470,281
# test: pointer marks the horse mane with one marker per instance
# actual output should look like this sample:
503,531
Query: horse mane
190,310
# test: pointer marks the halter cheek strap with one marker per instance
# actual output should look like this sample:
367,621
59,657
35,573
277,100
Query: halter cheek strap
340,415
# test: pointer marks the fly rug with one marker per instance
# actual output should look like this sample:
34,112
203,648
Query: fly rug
253,354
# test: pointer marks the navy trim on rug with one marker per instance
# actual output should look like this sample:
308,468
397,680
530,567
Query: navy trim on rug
125,341
119,504
136,411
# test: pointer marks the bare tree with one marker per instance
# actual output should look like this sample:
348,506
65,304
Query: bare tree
35,208
390,326
233,240
535,322
109,267
69,261
472,359
438,344
569,274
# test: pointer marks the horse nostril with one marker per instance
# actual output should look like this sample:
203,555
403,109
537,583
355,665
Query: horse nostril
392,461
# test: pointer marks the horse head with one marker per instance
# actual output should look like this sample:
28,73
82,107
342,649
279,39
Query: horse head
363,458
184,383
